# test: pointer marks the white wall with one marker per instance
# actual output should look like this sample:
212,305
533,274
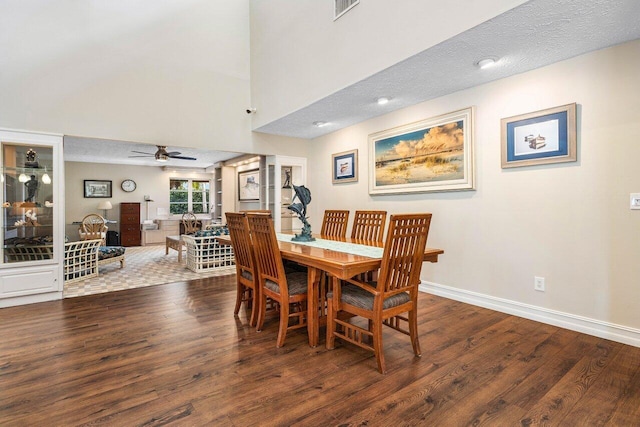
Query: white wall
174,72
569,223
299,54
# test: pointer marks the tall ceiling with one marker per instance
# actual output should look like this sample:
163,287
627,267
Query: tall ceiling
535,34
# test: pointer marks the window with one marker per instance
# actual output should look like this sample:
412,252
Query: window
189,195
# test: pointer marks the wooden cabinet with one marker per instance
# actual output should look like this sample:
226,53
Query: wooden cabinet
130,224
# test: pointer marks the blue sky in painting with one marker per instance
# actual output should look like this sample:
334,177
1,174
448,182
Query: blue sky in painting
384,145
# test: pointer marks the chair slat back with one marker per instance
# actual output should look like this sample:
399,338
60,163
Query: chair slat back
241,241
403,252
369,225
267,252
93,227
93,223
190,223
334,223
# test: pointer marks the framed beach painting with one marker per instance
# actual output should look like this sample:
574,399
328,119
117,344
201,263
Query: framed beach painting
249,185
541,137
431,155
345,166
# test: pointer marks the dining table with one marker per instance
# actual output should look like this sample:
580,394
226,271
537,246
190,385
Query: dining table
339,257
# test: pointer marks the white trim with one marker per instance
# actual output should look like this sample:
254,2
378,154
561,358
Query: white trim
337,14
598,328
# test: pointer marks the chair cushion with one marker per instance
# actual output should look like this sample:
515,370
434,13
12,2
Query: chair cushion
296,281
358,297
105,252
247,275
217,231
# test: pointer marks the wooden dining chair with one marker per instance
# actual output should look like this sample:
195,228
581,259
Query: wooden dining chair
246,272
334,223
93,227
391,300
369,225
190,223
289,290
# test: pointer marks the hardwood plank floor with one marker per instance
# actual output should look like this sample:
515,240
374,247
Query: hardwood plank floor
175,355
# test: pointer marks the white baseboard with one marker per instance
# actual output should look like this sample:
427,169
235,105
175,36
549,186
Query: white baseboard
598,328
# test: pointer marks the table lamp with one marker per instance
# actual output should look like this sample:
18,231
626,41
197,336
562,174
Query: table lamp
105,206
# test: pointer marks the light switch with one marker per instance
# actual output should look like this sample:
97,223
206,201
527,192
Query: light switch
634,201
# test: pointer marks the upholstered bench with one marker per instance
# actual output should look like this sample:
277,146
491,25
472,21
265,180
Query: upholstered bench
81,259
109,254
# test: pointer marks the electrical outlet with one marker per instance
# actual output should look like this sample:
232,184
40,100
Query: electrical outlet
538,283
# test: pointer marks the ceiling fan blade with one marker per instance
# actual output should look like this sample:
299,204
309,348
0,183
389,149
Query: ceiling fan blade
142,156
183,157
173,153
142,152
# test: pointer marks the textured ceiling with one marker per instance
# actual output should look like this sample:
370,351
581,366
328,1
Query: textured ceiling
535,34
93,150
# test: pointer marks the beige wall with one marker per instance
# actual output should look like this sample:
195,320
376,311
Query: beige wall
152,181
569,223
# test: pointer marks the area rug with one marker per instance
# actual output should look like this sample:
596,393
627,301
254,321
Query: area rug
144,266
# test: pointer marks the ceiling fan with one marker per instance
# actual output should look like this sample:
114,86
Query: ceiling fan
162,155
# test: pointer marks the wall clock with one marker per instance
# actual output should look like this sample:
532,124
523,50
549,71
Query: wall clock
128,185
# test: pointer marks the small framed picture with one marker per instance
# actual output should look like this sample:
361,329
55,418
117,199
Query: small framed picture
541,137
249,185
97,189
345,166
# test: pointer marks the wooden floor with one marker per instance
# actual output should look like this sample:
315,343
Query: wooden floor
175,355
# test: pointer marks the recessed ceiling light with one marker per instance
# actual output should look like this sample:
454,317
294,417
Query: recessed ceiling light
382,100
486,63
320,124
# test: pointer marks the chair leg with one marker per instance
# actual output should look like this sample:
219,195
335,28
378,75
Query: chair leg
413,332
284,324
255,305
240,289
377,347
262,307
331,339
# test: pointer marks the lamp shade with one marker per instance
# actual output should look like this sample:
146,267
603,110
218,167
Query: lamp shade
105,205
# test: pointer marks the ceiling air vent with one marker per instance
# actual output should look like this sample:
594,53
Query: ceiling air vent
343,6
